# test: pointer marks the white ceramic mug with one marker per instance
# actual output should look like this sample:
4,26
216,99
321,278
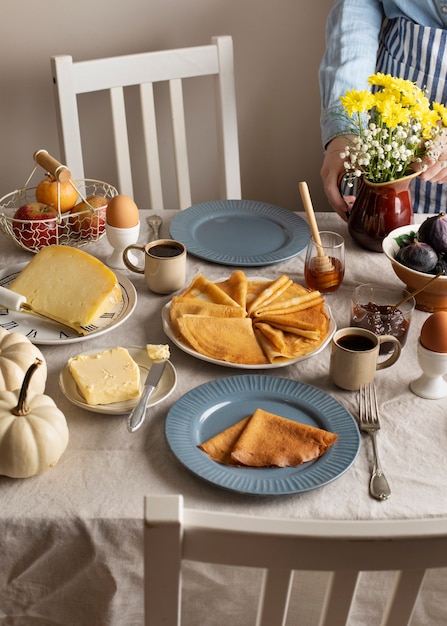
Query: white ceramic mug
354,357
164,264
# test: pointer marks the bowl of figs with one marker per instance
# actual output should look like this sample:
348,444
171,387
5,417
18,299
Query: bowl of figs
418,253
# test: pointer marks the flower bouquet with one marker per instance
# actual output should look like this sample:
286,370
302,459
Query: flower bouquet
395,125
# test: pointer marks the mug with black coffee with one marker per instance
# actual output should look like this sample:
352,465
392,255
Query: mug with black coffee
164,264
355,357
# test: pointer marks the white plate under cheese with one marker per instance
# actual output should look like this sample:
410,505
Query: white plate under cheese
45,332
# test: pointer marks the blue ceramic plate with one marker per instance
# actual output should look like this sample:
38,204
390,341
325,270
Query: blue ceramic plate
214,406
240,232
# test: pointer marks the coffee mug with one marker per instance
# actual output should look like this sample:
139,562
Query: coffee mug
164,264
354,357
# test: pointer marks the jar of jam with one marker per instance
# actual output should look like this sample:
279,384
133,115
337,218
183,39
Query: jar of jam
373,307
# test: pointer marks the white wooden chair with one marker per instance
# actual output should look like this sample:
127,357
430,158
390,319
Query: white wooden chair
173,533
144,70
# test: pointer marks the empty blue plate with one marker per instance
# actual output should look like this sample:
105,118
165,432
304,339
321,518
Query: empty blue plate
240,232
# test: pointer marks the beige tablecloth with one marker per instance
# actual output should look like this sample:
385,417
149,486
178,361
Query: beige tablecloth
71,538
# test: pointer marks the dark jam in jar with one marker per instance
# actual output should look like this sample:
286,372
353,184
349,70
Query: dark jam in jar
381,319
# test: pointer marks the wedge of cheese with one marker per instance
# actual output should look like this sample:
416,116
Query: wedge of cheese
106,377
68,285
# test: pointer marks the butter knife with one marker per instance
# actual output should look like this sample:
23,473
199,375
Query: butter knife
136,418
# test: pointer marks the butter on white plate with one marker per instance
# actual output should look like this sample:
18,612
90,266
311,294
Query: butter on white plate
106,377
158,352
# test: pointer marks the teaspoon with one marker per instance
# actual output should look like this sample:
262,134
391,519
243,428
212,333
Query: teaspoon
155,222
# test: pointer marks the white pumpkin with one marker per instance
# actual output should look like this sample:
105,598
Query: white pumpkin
33,431
17,353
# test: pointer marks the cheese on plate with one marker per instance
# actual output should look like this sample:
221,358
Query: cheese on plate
106,377
68,285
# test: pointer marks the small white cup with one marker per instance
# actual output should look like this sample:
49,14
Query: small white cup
164,264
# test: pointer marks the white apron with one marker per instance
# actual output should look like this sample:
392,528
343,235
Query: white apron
418,53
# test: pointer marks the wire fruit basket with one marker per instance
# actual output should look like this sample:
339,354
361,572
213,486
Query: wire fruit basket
33,224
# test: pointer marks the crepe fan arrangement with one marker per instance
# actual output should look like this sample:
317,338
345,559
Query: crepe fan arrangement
246,321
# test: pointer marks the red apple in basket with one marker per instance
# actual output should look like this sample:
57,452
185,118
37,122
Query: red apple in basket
39,225
46,192
89,223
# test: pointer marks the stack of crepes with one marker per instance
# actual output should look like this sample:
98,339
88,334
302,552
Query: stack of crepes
265,439
251,322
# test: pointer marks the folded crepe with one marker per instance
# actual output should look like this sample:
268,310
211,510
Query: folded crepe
270,293
219,447
203,289
271,440
268,440
293,299
236,286
312,322
224,339
182,306
278,345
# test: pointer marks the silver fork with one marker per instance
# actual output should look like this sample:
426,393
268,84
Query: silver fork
369,423
155,222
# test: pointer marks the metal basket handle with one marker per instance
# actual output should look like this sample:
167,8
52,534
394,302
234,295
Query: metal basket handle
52,165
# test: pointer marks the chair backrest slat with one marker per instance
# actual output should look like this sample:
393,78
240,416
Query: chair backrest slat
151,145
180,148
281,547
121,140
274,597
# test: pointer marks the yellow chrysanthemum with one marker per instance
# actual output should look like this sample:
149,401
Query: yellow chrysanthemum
393,114
441,110
381,80
357,101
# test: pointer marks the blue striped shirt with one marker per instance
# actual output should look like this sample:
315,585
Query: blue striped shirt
403,38
352,35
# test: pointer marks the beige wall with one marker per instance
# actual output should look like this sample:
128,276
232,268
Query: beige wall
278,45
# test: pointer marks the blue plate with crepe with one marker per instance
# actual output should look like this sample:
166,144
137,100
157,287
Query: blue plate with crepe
210,408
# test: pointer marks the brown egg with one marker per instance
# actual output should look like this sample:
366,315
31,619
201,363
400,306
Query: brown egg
434,332
122,212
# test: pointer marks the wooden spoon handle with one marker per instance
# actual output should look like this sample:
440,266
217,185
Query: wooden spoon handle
305,196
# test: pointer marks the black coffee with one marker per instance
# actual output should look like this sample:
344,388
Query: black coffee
165,250
359,343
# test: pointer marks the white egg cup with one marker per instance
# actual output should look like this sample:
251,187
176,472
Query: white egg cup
119,239
432,384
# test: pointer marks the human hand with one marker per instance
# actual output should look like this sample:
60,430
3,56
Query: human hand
433,166
332,170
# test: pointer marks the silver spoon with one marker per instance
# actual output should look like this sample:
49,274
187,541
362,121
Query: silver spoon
155,222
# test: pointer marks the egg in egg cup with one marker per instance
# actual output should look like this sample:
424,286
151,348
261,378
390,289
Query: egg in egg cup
122,228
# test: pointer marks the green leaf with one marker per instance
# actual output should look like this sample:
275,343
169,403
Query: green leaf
406,239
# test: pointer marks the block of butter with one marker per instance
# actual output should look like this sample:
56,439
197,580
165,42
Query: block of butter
158,351
106,377
68,285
